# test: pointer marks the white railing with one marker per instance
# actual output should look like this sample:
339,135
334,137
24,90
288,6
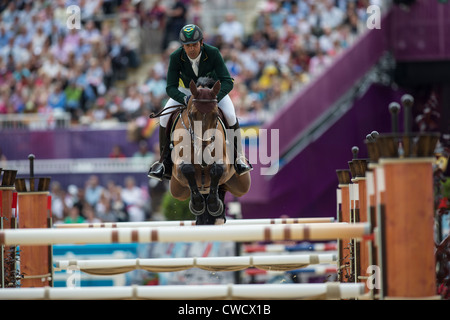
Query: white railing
35,121
88,165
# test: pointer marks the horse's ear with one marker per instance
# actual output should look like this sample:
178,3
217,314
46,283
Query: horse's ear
216,88
193,88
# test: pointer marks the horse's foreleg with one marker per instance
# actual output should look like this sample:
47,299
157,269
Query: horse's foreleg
215,205
197,204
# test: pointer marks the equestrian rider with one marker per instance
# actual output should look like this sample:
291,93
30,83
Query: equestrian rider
195,59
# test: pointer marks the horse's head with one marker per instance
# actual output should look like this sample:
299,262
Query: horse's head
204,101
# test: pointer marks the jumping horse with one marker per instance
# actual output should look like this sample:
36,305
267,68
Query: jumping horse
203,169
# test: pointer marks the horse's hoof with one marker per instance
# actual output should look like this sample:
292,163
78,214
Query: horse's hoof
219,221
215,212
195,211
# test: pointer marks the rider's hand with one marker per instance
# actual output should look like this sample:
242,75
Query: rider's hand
186,99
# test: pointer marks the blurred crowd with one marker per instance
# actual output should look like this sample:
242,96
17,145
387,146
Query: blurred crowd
46,66
94,202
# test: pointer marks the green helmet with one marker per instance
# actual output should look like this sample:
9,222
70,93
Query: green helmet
190,34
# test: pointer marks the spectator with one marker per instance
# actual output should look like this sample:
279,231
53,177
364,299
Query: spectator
156,15
93,190
57,98
133,197
3,159
231,30
176,19
195,12
74,216
133,102
73,92
130,42
90,216
58,206
94,77
155,87
105,210
319,63
116,152
143,151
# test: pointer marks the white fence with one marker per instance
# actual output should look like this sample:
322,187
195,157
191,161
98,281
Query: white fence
35,121
88,165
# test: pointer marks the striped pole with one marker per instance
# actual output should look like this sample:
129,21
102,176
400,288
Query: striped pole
185,223
321,231
343,216
273,263
329,290
7,221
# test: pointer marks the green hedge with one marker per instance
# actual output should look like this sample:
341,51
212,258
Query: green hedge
174,209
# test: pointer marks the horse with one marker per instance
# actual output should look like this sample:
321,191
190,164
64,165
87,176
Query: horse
203,169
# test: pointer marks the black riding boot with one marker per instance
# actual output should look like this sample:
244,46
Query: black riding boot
241,164
162,169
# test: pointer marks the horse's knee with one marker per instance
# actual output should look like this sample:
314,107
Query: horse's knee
216,171
187,169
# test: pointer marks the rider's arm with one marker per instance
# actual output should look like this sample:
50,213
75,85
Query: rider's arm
173,79
223,75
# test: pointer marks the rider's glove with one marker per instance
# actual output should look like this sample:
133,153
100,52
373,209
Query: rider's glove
186,100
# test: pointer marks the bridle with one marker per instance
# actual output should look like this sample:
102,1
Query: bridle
190,127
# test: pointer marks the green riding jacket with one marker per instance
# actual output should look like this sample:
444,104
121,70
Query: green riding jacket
211,64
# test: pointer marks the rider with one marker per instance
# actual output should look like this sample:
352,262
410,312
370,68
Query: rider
195,59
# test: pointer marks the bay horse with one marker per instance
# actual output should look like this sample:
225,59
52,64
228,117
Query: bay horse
203,167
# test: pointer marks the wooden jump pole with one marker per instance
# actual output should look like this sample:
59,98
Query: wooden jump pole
328,290
343,216
8,201
359,194
233,263
320,231
375,204
185,223
33,212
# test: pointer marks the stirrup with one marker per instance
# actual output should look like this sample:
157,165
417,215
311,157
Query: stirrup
247,164
152,174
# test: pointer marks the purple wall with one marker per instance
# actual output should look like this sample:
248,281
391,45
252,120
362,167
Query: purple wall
422,32
306,186
66,144
321,93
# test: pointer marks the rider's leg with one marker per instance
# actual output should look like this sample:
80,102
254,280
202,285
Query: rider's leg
241,164
163,168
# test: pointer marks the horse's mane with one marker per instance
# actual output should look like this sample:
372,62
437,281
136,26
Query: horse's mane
205,82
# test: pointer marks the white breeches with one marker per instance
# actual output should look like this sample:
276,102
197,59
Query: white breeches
226,105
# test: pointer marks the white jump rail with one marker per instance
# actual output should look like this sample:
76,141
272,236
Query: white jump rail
182,223
272,263
320,232
328,290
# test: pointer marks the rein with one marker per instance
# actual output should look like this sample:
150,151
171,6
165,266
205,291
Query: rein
165,111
